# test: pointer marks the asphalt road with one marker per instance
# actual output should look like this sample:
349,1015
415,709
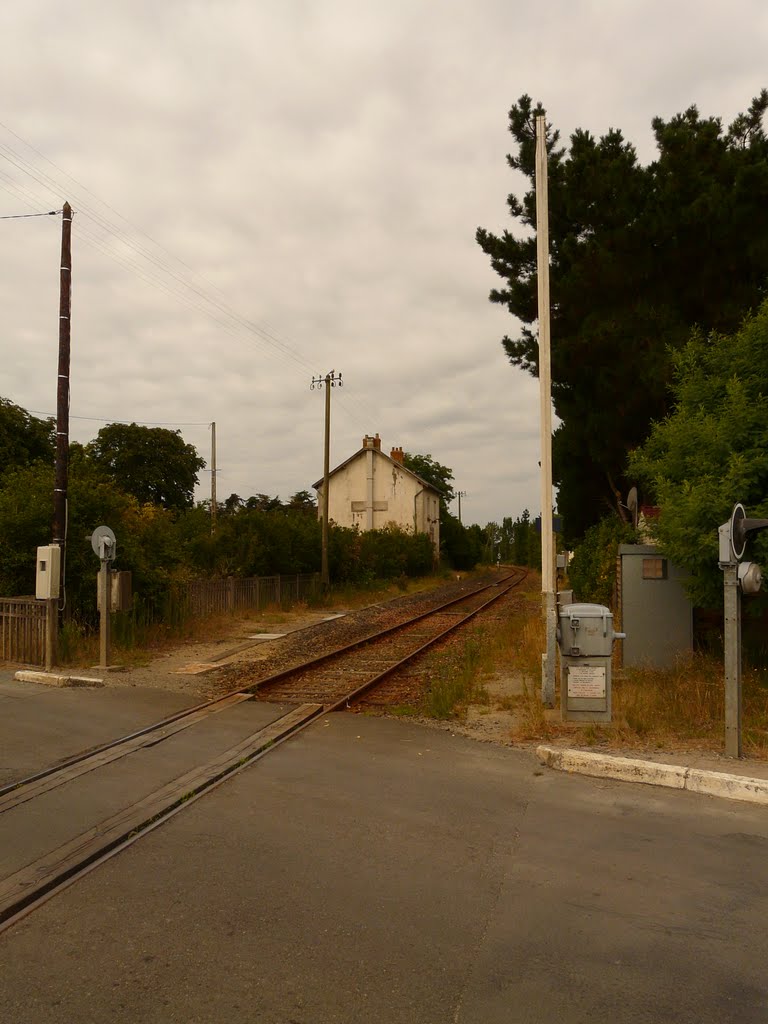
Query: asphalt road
376,871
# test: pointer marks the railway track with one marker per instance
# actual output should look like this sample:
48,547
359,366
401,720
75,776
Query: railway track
153,773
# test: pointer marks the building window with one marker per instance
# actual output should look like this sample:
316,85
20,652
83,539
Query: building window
654,568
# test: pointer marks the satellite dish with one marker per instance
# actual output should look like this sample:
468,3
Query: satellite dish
632,505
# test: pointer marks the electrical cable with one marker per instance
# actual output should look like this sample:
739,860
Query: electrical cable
140,423
23,216
276,344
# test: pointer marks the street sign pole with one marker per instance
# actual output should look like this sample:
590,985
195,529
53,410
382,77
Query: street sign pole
105,547
104,610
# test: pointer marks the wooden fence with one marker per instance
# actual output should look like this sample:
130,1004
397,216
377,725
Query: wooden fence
22,630
22,619
209,597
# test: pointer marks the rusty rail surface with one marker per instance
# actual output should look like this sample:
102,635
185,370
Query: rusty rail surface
28,887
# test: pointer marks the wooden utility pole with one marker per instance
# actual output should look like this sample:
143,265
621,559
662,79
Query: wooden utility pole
460,495
330,381
545,399
61,470
62,389
214,508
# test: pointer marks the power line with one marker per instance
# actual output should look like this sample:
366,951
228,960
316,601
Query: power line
18,161
139,423
23,216
179,286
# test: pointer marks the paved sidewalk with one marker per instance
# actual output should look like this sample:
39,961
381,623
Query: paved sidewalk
42,725
373,870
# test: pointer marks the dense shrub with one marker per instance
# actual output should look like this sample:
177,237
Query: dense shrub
592,572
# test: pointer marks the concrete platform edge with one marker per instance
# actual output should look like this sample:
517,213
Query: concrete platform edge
652,773
52,679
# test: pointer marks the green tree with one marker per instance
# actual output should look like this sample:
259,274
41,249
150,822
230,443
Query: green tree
460,546
152,463
711,450
592,572
439,476
639,255
263,503
302,501
24,439
145,542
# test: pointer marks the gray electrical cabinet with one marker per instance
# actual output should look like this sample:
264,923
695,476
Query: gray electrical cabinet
656,613
586,636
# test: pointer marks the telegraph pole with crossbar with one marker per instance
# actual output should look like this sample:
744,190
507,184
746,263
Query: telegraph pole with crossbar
61,471
330,380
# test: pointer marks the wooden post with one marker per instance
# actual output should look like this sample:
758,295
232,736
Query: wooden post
326,480
61,466
51,632
330,381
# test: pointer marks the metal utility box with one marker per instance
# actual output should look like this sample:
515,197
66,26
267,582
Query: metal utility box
586,639
656,613
48,572
120,592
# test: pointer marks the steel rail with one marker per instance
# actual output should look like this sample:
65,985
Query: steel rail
27,889
375,680
62,768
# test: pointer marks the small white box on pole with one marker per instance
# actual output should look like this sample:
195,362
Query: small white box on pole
48,572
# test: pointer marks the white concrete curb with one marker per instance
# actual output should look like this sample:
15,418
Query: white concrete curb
51,679
627,769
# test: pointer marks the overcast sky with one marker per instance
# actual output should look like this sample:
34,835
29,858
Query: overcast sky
293,186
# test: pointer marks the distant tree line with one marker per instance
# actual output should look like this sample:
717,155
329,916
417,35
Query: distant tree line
140,481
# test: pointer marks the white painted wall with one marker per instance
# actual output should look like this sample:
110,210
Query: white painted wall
398,497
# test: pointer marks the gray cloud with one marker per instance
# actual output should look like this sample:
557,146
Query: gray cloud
325,166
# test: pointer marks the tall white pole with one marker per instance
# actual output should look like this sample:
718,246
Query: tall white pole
545,396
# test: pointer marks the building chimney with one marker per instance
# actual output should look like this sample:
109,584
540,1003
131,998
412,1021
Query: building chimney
377,443
397,455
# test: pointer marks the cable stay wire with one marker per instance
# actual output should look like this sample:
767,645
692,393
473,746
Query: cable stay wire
91,238
275,344
84,208
271,329
351,405
139,423
27,197
250,327
25,216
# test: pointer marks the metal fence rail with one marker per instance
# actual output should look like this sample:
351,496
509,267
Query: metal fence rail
22,630
23,619
210,597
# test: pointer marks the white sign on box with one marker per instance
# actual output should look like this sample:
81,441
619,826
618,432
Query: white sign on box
586,681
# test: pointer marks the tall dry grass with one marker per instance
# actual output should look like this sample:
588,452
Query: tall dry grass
677,708
682,706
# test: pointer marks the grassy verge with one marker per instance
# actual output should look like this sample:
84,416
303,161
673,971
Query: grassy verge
455,679
680,708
